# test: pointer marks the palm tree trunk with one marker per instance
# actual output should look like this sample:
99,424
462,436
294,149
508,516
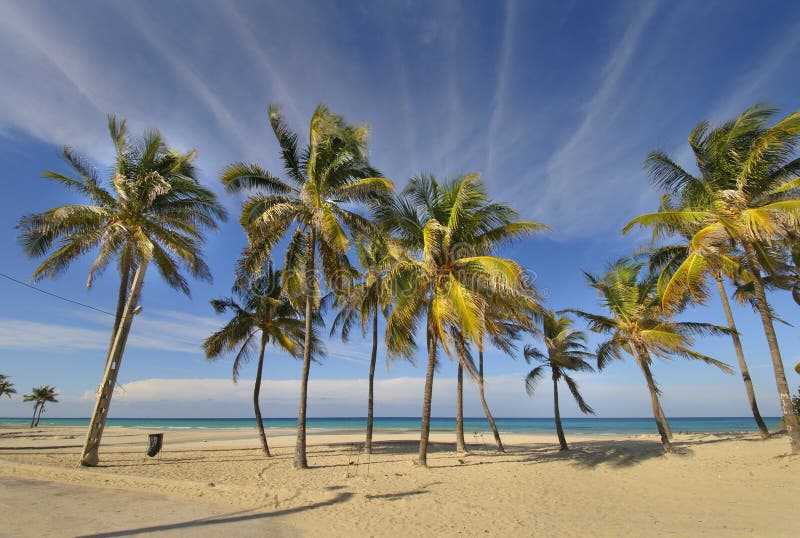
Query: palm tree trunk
371,397
651,386
35,408
664,422
122,295
461,446
486,411
662,416
425,428
89,456
39,415
562,441
257,393
789,415
737,344
300,460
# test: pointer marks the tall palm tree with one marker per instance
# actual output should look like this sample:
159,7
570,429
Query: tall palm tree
151,208
565,350
6,386
40,396
262,316
667,260
752,203
363,303
638,325
316,209
453,227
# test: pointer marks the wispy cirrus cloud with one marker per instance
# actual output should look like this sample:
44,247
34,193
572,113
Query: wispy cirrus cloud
585,172
499,98
155,330
18,334
754,85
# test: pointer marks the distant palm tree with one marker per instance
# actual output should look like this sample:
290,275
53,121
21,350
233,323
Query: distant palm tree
151,209
565,350
264,316
453,227
504,325
752,203
639,325
327,178
362,303
6,386
41,396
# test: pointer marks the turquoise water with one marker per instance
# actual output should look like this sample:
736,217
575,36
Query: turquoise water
401,424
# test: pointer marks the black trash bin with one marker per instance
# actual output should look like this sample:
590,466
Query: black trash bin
155,444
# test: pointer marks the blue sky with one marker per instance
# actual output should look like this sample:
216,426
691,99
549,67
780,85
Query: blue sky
555,104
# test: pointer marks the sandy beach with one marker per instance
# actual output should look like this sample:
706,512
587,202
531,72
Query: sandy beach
218,480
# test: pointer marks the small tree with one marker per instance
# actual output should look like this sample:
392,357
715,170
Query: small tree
6,386
41,396
565,350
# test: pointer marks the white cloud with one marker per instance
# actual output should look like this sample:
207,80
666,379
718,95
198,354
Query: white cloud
31,335
161,330
402,396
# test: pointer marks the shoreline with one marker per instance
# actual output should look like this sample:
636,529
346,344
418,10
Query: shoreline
605,427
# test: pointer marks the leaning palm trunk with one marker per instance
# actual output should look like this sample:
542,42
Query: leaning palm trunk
425,427
300,460
33,418
371,397
91,446
651,386
461,445
562,440
663,418
486,411
39,414
122,295
257,394
737,344
789,415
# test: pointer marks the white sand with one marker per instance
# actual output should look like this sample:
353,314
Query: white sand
732,485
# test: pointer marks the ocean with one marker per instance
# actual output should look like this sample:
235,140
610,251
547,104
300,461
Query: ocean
601,426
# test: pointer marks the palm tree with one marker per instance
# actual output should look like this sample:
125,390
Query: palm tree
6,386
364,302
565,350
752,203
151,209
263,316
40,396
666,261
315,208
504,324
640,326
453,227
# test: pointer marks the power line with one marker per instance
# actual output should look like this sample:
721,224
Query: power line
11,278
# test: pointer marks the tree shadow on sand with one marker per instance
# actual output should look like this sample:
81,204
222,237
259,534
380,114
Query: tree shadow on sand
221,520
410,446
590,454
